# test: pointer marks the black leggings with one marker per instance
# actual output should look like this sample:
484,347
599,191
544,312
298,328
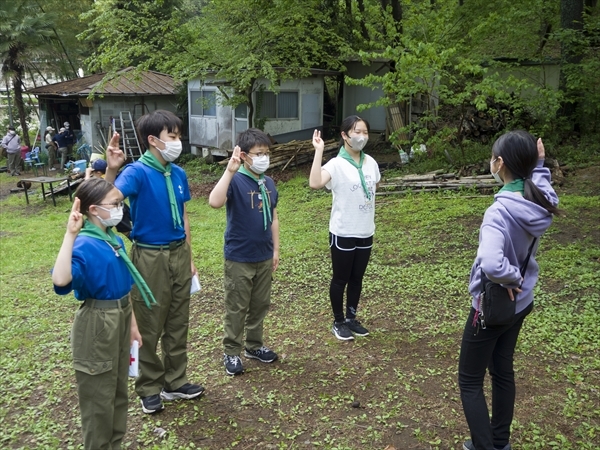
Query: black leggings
492,349
349,258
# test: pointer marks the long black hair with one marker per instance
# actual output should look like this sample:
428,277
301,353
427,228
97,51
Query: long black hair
91,192
519,153
349,123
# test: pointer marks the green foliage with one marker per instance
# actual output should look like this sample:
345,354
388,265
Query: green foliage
130,33
247,43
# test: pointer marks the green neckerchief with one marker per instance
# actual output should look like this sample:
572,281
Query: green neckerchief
344,154
263,193
517,185
93,231
150,160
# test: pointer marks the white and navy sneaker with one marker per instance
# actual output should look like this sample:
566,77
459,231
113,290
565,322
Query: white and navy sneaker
341,331
263,354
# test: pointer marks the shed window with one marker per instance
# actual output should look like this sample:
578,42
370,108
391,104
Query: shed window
203,103
283,105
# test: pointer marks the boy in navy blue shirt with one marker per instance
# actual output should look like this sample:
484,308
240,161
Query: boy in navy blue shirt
251,248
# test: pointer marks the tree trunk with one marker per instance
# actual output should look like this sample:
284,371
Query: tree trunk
571,18
363,26
250,106
18,87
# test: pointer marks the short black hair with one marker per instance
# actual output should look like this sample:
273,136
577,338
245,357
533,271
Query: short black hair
154,123
252,137
11,128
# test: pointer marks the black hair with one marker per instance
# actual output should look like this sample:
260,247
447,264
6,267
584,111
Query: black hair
91,192
11,128
154,123
349,123
519,153
251,138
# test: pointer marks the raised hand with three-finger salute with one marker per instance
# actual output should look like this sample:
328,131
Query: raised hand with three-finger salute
115,158
235,161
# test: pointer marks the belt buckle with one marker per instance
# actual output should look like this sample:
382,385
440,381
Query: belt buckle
173,245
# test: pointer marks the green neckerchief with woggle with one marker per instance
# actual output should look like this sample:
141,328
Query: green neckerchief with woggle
345,155
151,161
263,193
517,185
93,231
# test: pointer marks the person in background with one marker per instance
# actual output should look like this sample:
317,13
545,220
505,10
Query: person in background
91,262
96,169
69,139
522,211
162,252
251,248
51,147
352,177
12,144
60,141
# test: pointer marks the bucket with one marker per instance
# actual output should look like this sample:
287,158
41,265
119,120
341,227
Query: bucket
79,165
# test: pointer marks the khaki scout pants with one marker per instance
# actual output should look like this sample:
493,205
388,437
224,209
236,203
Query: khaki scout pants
168,274
247,301
100,346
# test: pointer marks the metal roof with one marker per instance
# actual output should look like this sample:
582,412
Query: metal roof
126,83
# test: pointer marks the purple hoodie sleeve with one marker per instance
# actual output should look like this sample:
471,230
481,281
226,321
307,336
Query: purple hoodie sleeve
541,178
490,255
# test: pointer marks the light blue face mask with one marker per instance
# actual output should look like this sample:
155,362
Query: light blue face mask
496,175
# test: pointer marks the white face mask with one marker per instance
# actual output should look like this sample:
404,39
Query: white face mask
116,215
12,132
496,175
172,150
260,164
358,142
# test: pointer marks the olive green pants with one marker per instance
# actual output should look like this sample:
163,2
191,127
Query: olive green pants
247,301
168,274
100,346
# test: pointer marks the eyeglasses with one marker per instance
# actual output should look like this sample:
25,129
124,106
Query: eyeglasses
259,154
115,205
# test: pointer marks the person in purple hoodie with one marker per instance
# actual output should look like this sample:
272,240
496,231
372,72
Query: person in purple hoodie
522,211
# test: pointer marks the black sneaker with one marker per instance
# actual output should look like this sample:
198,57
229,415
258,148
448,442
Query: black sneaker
187,391
263,354
356,327
469,446
233,365
341,331
152,404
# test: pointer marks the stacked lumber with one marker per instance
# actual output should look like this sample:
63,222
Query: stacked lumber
435,181
294,153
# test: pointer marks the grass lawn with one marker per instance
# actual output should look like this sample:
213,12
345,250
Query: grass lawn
396,388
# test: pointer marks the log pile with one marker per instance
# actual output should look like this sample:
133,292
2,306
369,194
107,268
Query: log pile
294,153
436,181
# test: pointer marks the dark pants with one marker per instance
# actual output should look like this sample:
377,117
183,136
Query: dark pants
349,258
492,349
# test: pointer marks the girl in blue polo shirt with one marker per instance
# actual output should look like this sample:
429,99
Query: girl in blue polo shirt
91,264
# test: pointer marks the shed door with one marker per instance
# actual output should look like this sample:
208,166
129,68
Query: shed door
311,111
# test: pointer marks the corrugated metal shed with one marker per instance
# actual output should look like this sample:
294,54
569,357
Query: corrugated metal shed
126,83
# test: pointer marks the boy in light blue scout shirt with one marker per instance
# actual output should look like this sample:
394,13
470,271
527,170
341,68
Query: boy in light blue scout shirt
91,262
251,248
157,192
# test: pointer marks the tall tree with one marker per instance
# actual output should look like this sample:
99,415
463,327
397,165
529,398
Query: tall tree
245,41
26,36
131,33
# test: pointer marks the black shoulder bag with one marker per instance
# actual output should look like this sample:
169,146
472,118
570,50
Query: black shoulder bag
495,306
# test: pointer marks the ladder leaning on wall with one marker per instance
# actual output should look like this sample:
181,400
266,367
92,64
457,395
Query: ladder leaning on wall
131,144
